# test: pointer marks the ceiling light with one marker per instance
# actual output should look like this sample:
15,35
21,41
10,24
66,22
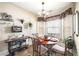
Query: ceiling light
43,14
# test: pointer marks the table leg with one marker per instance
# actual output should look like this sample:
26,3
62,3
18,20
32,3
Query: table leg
49,50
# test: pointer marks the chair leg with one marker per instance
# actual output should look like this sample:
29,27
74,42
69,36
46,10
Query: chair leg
39,50
33,50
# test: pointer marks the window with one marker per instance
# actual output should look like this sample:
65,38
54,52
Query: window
54,27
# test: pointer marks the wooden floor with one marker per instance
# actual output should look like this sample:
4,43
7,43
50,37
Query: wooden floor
29,52
25,52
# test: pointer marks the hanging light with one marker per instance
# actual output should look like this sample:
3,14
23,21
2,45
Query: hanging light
43,11
42,14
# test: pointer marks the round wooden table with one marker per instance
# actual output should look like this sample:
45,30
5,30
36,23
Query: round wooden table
49,44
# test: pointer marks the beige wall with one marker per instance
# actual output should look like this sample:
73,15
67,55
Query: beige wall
17,13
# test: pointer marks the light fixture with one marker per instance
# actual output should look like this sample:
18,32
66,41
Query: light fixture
43,13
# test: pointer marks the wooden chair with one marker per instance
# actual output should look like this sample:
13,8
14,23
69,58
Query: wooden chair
68,49
58,50
36,47
64,51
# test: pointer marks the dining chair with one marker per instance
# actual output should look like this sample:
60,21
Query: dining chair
35,47
38,48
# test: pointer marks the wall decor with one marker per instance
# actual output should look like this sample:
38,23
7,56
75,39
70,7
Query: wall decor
26,25
22,21
16,29
30,24
6,17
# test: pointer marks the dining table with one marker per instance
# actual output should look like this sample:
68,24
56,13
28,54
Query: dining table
49,44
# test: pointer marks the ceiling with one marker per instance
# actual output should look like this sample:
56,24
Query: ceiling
36,6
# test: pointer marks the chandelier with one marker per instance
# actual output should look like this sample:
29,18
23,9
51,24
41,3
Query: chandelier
43,13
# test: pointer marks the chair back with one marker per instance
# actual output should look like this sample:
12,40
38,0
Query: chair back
36,43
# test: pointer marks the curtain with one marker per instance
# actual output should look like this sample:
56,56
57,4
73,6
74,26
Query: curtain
67,26
41,28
